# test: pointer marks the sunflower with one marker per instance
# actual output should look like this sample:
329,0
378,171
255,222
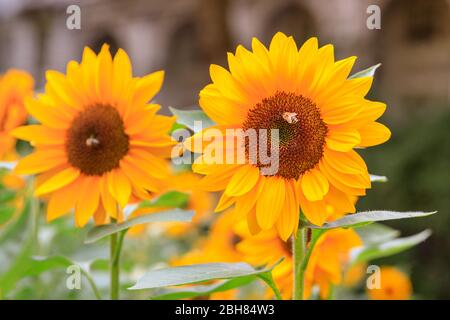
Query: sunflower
394,285
100,142
325,266
199,201
219,246
320,115
15,86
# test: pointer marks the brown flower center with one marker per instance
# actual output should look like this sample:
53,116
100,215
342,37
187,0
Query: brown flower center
96,140
300,127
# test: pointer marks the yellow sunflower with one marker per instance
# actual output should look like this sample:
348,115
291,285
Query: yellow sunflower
321,116
394,285
15,86
325,266
100,141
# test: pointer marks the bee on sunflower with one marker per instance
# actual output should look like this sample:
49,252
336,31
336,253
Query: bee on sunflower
321,116
94,150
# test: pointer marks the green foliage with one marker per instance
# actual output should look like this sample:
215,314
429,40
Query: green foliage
237,274
164,216
367,217
188,117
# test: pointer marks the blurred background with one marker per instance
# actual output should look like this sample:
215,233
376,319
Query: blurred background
184,36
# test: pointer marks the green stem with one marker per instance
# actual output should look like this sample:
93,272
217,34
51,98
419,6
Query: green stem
92,284
116,241
114,268
299,252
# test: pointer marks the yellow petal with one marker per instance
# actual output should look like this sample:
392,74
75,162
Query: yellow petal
88,200
314,211
119,186
314,185
242,181
38,134
122,73
270,202
224,202
108,201
41,160
343,140
373,134
58,181
148,87
289,217
62,200
104,74
47,115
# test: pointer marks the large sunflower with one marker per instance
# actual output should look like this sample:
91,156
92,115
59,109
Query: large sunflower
321,116
15,86
327,261
100,141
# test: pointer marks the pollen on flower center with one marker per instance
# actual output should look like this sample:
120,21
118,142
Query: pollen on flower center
96,140
302,131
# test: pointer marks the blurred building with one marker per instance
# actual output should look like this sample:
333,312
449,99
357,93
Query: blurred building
185,36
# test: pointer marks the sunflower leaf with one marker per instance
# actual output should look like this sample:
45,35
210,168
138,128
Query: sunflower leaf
102,231
376,233
388,248
171,199
236,274
188,117
369,72
201,290
366,217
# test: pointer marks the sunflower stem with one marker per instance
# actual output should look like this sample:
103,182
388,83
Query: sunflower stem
115,246
299,253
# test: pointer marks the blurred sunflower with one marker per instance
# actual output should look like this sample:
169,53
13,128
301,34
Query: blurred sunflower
325,266
15,87
394,285
320,114
198,200
219,246
100,141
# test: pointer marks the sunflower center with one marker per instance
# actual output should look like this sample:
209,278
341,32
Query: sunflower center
96,140
300,128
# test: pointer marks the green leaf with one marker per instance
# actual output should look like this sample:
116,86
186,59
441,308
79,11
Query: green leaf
198,273
7,195
193,274
174,199
99,232
367,217
201,290
6,213
188,117
376,233
375,178
38,265
369,72
389,248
